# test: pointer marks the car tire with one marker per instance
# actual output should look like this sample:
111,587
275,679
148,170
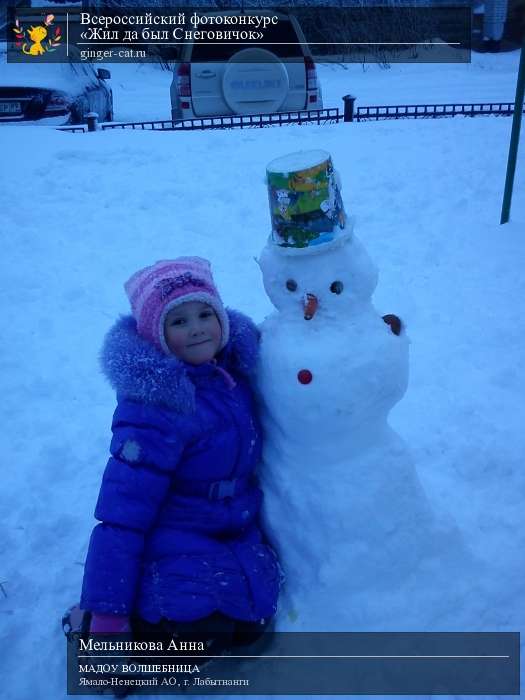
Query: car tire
78,111
255,81
110,114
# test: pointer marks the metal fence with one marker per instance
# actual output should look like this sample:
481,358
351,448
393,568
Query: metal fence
318,116
433,111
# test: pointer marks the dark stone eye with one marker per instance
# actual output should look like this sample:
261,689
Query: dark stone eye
291,285
336,287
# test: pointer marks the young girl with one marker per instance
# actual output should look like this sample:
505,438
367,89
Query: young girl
179,550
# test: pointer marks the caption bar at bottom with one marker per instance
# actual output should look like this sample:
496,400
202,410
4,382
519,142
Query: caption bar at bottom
288,663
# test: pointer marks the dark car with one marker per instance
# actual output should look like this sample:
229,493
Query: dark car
53,93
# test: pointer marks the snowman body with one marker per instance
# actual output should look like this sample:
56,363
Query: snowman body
326,386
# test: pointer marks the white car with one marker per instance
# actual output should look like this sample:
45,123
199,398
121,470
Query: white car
213,78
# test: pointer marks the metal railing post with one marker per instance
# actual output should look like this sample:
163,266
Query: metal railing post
349,101
92,123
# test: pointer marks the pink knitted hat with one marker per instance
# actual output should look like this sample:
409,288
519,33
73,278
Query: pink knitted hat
155,290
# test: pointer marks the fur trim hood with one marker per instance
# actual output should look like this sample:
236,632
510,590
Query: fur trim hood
140,372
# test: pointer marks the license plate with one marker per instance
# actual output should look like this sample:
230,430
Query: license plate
10,107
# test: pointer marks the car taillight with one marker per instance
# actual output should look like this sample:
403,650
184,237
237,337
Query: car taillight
184,80
311,74
57,101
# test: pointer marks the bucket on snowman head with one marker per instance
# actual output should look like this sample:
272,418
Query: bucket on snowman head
306,207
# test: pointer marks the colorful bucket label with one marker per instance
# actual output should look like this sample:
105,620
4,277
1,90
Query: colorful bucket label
306,206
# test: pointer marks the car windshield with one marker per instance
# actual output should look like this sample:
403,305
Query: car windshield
282,37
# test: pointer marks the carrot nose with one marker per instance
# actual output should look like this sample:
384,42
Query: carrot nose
310,306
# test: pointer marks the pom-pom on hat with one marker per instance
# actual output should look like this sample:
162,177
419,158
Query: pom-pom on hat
155,290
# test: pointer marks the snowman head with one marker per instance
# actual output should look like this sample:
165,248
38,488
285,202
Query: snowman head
334,281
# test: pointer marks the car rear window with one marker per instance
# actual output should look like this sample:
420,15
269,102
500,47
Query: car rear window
282,37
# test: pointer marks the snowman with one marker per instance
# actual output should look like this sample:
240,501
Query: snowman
344,506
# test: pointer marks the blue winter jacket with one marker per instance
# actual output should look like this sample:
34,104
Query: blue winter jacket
179,536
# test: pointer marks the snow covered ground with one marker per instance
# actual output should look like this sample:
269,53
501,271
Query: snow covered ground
426,196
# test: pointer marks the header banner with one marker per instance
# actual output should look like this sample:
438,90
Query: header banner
207,35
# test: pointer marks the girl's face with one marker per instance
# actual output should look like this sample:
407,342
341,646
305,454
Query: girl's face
193,332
